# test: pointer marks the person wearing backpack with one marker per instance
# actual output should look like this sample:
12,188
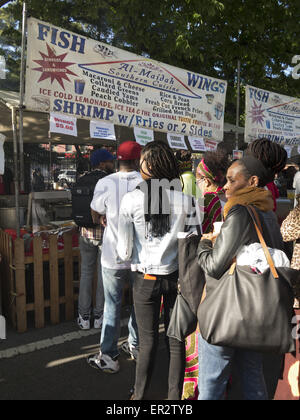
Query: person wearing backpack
102,163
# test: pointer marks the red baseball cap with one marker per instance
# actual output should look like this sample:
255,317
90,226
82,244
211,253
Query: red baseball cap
129,150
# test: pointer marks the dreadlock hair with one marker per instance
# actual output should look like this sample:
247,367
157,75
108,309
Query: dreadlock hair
161,164
272,155
184,158
160,161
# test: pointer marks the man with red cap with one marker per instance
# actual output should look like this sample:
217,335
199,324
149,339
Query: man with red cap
107,198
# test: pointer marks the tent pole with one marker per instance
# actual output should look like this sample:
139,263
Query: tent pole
16,171
22,85
118,142
50,183
238,105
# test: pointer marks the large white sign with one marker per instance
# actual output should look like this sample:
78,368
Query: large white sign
272,116
70,74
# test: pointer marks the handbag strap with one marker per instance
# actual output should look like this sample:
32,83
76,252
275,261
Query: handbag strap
256,221
198,227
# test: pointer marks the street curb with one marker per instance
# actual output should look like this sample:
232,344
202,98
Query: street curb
51,342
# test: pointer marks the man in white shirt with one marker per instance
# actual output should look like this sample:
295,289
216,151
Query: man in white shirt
107,198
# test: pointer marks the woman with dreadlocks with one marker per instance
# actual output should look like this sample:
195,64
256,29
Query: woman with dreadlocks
273,157
150,218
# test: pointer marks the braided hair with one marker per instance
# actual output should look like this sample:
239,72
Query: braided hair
160,161
184,158
161,164
272,155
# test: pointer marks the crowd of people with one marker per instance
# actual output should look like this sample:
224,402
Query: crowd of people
138,212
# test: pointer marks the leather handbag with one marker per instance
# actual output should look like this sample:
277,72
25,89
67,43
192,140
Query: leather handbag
183,321
251,311
191,276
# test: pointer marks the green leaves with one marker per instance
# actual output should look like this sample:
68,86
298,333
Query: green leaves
205,36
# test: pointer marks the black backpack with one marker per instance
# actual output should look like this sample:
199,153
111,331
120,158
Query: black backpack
82,195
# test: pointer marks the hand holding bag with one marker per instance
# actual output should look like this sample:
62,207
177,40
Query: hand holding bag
251,311
191,275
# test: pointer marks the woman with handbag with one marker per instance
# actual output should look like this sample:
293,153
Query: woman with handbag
150,219
246,179
210,179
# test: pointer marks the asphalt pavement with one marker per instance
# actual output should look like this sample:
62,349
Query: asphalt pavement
50,364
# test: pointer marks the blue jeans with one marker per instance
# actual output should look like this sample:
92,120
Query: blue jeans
90,252
113,283
215,366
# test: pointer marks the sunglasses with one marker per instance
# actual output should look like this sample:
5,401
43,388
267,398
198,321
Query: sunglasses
199,180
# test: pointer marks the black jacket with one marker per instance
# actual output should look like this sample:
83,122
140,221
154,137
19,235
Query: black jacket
238,230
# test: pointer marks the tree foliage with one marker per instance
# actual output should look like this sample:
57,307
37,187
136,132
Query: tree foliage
205,36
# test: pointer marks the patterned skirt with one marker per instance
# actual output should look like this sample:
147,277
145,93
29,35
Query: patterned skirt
190,387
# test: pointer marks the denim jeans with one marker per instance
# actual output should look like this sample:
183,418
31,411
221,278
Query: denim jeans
90,252
147,296
113,282
215,366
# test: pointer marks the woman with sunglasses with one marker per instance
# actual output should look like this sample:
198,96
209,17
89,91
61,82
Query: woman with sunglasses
210,178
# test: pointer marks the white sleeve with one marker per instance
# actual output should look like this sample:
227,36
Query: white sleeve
297,183
125,230
100,197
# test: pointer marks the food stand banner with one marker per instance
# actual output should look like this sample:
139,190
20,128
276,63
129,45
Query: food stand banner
272,116
70,74
63,124
102,130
